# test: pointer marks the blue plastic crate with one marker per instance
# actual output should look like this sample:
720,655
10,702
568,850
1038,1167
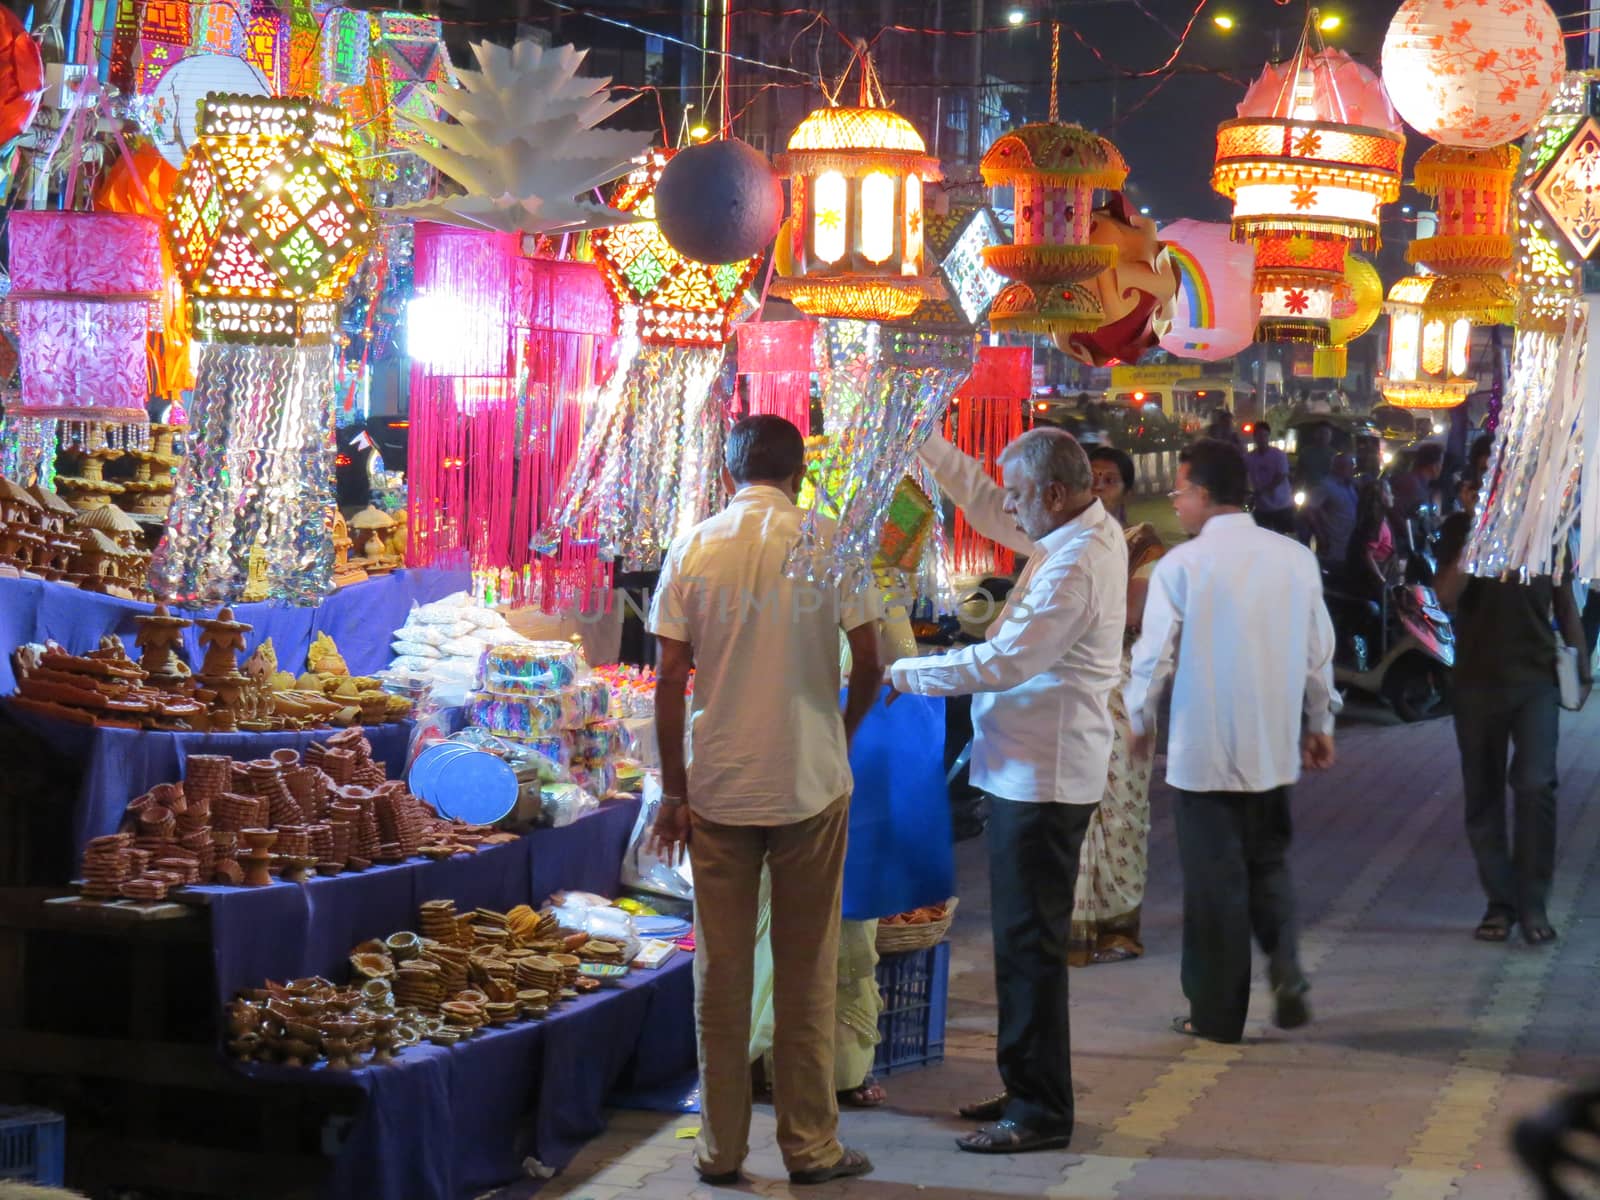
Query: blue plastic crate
915,989
33,1146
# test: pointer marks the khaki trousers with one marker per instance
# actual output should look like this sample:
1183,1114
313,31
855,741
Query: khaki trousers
806,863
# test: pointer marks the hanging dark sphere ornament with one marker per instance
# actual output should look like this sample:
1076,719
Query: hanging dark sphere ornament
719,202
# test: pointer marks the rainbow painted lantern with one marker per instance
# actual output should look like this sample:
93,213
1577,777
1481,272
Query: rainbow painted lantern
855,239
1307,178
85,292
1430,335
266,223
1055,170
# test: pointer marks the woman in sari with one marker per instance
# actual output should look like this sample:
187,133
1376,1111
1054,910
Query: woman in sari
1112,865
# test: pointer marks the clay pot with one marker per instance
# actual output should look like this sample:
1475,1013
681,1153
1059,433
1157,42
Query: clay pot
259,841
404,945
257,868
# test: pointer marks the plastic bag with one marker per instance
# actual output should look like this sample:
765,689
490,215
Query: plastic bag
648,872
415,650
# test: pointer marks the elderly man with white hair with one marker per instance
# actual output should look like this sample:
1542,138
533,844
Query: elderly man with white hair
1042,742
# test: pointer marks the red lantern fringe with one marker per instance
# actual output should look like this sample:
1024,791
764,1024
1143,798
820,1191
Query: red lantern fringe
776,360
986,416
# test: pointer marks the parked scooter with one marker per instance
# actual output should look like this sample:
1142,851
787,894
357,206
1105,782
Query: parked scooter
1400,649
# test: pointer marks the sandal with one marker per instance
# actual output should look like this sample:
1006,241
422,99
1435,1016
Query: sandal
1186,1027
851,1163
1011,1137
1495,926
869,1094
1289,1007
991,1109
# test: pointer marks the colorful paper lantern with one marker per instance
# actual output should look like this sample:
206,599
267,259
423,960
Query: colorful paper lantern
1306,180
1217,309
267,225
719,202
957,240
1356,305
985,416
667,298
85,292
1430,336
1054,169
1474,74
1472,191
1568,190
1138,296
775,360
857,247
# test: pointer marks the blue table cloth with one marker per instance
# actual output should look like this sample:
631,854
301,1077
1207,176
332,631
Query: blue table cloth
119,764
361,618
900,855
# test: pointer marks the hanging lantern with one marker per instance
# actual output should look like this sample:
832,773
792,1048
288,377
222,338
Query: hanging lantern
958,241
1356,306
1216,311
856,233
266,222
1054,170
667,298
1430,336
267,228
1307,178
1472,190
1473,75
85,291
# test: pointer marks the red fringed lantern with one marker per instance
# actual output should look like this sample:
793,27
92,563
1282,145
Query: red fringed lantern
985,416
504,350
776,359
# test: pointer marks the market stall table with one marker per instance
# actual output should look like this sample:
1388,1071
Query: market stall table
119,764
359,618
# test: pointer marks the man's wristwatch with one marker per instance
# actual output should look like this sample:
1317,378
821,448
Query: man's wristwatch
670,801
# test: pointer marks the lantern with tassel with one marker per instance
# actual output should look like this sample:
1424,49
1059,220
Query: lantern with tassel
1430,335
1472,189
1055,169
856,246
266,227
1313,154
1356,306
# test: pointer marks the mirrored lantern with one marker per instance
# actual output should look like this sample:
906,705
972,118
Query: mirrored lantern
855,238
266,223
1430,336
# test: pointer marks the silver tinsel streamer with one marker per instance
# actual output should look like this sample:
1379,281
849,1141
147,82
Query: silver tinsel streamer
259,473
1522,525
884,389
648,466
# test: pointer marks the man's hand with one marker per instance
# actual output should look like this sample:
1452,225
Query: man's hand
1141,745
1316,751
669,834
891,695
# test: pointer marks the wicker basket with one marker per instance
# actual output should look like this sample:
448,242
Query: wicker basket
902,939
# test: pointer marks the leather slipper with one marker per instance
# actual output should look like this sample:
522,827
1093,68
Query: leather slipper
851,1163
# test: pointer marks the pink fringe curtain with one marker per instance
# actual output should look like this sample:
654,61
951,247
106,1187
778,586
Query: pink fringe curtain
986,414
776,360
497,411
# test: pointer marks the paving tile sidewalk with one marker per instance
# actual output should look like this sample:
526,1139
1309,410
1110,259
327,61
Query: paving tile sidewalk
1426,1045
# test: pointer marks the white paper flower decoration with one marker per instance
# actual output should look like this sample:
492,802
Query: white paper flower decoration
523,145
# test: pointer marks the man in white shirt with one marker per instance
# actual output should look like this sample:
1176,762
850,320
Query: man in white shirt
1235,617
768,783
1042,741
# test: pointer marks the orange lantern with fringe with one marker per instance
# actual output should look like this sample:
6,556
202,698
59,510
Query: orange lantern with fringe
1472,190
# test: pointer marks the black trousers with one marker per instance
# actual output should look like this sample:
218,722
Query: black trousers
1234,847
1522,723
1033,870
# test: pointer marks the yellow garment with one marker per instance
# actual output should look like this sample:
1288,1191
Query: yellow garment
859,1003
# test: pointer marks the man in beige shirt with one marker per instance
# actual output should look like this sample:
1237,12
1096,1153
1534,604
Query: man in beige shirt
768,781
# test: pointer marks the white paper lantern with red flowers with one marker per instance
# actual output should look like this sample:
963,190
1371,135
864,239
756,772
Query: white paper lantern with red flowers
1473,73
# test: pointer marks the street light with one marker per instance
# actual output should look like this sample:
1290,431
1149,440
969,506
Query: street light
1330,22
1223,21
1016,16
699,133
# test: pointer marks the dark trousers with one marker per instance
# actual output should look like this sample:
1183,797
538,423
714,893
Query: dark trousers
1033,870
1522,723
1279,520
1234,847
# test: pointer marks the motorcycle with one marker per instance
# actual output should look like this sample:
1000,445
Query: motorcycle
1399,649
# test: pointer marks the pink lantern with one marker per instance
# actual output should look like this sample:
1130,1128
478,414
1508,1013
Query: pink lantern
776,361
1473,74
1217,307
1342,92
85,288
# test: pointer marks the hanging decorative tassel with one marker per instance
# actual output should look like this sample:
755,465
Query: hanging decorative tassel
884,388
986,415
1522,524
775,361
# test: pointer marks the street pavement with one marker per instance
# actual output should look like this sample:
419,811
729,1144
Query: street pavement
1425,1048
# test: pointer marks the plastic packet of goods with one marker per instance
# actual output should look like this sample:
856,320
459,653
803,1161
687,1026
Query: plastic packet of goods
560,804
465,646
484,618
409,665
514,715
643,870
415,650
498,635
429,635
